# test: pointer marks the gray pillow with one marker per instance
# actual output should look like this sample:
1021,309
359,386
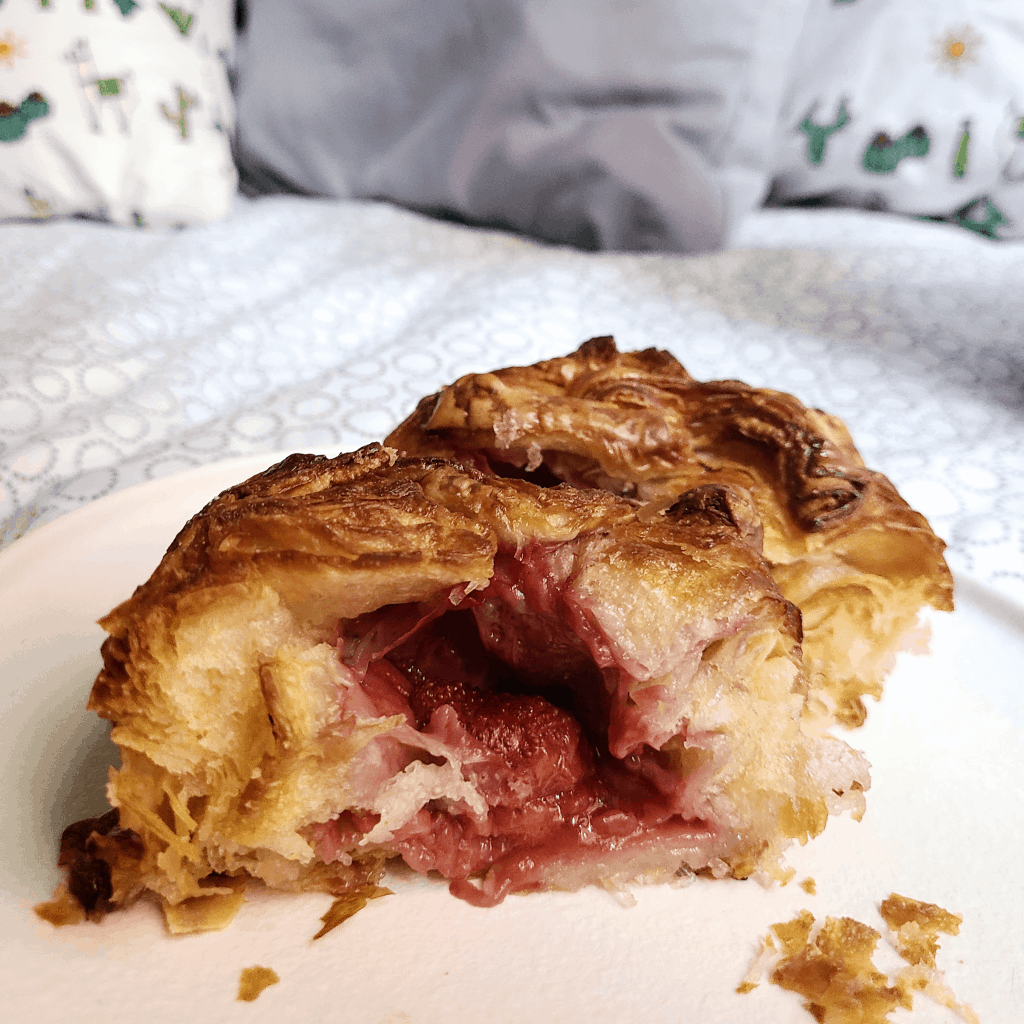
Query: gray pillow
606,124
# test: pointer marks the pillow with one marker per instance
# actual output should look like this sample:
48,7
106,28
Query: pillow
612,125
116,109
914,106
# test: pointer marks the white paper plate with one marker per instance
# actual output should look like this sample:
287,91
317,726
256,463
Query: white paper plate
945,823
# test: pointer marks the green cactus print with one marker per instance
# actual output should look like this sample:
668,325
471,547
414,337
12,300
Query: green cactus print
179,115
960,160
818,134
39,208
124,6
884,154
981,216
181,18
15,120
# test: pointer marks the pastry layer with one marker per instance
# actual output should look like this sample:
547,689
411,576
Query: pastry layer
842,543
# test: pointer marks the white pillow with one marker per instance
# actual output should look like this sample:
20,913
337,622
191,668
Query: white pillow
116,109
914,106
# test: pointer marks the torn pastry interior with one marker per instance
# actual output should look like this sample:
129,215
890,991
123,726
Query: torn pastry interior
346,660
843,545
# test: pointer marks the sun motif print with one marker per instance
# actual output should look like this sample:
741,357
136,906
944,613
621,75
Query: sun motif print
956,48
12,49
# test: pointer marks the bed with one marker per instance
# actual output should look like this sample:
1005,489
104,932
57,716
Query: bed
316,324
143,370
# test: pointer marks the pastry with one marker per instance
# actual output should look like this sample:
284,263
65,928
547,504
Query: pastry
346,660
843,545
831,963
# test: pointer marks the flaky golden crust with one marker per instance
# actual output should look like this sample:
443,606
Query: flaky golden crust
334,538
311,518
836,533
241,721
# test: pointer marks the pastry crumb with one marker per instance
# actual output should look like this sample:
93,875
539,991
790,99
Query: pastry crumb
207,913
253,981
830,963
62,910
915,926
753,976
809,886
350,903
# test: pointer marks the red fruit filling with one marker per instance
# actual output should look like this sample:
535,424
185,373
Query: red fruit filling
519,686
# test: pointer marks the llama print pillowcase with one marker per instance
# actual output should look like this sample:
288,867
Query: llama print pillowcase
914,106
119,110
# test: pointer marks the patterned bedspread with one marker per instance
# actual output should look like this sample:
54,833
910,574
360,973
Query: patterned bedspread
315,325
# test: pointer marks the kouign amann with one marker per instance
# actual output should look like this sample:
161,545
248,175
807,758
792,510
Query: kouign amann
345,660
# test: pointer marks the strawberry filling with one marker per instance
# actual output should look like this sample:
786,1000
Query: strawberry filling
516,693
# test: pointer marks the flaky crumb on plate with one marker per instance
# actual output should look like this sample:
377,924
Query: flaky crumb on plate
253,981
830,963
349,904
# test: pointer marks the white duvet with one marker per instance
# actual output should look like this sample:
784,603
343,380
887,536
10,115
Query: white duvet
314,324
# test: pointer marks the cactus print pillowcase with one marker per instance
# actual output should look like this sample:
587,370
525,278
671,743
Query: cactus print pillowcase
914,106
118,110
